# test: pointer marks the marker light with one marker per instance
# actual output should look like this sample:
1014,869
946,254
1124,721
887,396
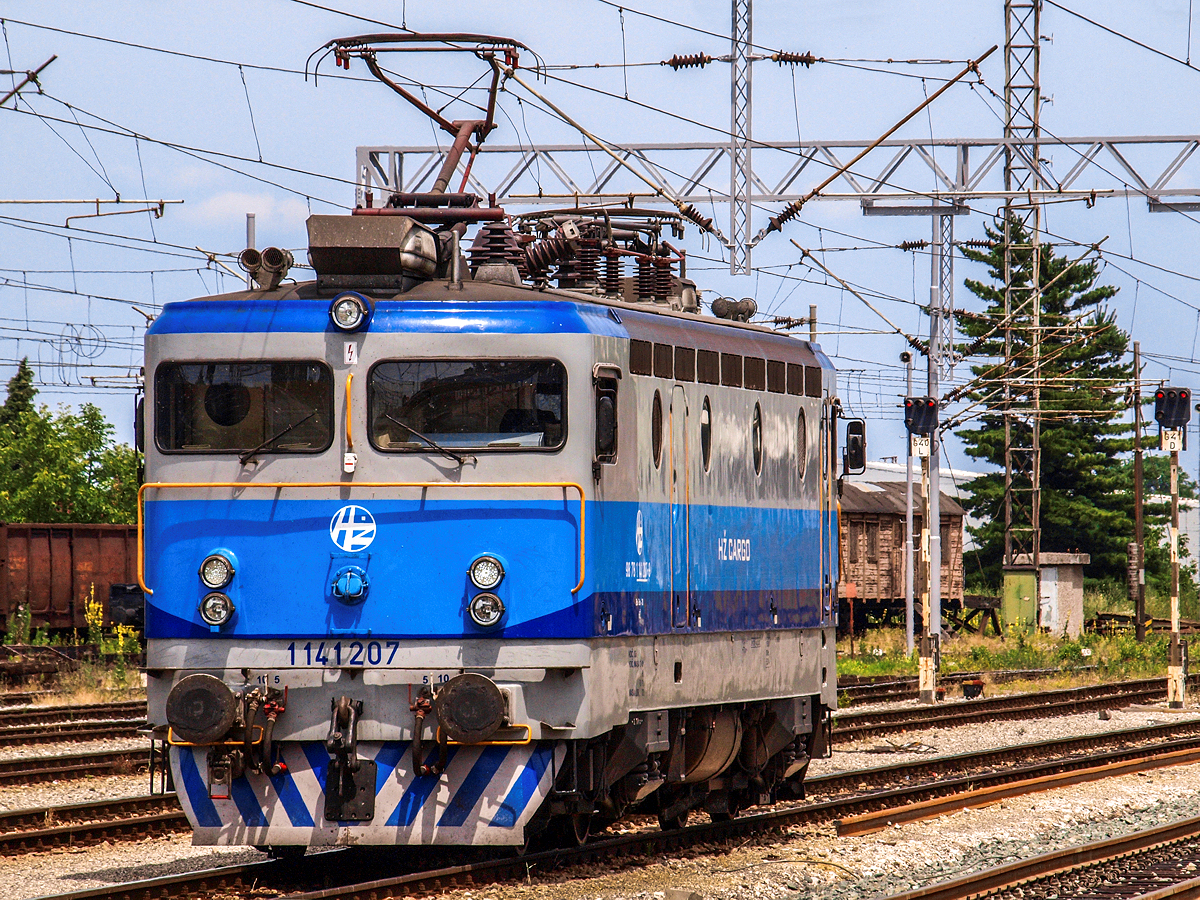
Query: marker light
348,312
216,608
216,571
486,572
486,610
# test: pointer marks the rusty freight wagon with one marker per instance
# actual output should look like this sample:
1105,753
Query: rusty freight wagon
872,553
53,570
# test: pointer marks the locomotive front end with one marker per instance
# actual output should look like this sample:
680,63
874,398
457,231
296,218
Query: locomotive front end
363,553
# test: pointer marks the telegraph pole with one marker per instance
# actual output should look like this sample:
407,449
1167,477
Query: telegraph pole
909,575
1138,589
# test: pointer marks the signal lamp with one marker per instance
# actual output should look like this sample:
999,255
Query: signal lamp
486,572
486,610
216,609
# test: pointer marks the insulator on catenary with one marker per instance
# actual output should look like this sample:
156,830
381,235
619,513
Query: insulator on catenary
794,59
913,245
691,61
976,244
776,223
704,223
612,273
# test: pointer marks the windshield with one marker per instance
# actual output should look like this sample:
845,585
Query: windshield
472,404
231,407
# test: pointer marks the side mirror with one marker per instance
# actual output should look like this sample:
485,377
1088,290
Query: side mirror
854,460
139,424
606,425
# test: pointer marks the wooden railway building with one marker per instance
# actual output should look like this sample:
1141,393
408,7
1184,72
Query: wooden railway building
871,526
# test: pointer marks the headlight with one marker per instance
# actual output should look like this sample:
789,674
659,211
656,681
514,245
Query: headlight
486,572
216,608
216,571
348,312
486,610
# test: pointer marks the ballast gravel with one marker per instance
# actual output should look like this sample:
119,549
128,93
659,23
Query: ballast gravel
805,862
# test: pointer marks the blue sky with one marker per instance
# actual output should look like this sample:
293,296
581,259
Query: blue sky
73,299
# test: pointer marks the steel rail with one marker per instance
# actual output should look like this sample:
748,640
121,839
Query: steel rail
990,881
867,823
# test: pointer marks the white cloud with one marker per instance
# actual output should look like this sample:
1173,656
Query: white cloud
271,213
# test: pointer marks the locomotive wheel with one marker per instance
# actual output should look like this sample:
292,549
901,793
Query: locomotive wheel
673,821
576,829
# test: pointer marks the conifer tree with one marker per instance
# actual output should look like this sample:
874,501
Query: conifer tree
1086,497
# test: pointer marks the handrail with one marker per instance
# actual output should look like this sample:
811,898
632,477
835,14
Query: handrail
349,435
424,485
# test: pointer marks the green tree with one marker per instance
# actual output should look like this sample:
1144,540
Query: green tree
1086,501
64,466
20,397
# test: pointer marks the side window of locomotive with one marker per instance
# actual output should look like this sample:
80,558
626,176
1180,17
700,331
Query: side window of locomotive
706,433
756,439
606,416
230,407
656,429
801,443
467,404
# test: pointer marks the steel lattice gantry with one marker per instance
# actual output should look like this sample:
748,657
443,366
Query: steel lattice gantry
1163,169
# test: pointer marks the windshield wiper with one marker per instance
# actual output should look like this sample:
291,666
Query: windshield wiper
459,458
245,456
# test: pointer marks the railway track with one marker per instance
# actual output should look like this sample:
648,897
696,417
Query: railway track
89,823
1160,863
45,715
388,876
852,726
62,768
857,690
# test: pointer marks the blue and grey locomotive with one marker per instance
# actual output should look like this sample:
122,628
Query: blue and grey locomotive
450,548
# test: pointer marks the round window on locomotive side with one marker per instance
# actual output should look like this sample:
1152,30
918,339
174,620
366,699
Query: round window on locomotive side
756,439
706,433
656,429
801,443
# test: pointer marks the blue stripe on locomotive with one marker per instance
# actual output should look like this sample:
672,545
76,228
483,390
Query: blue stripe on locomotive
390,317
743,561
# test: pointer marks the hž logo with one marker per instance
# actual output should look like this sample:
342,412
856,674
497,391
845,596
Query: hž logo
352,528
638,532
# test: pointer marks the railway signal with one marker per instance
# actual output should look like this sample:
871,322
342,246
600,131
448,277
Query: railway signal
920,415
1172,407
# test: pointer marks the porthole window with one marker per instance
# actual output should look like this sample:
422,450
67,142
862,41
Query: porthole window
656,429
801,444
706,433
756,440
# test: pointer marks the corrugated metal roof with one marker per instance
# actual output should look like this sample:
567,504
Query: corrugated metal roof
887,498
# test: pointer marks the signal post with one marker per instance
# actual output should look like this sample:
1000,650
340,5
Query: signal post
921,420
1172,411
